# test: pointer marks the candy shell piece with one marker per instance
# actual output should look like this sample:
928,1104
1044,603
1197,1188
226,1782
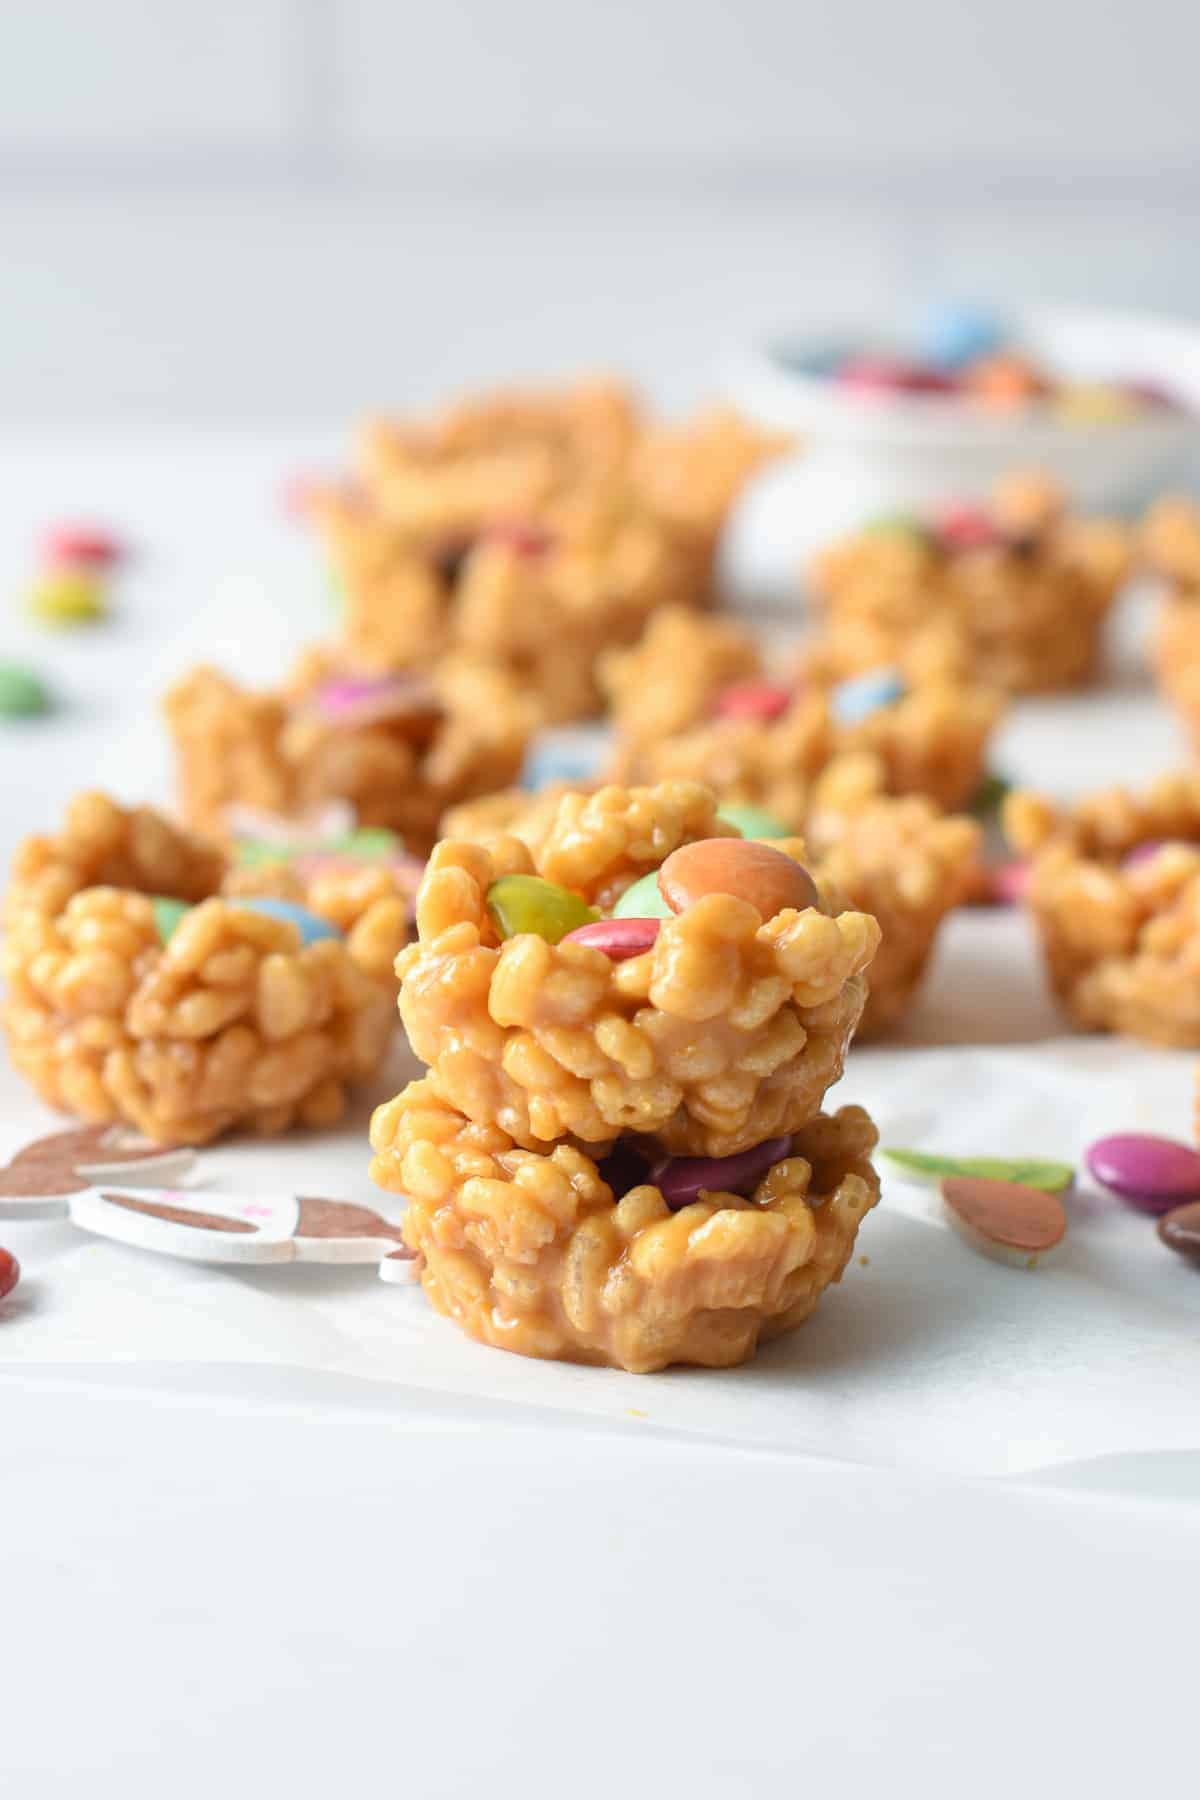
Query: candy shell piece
644,900
925,1167
67,596
618,938
1004,1219
761,700
90,546
10,1272
167,914
768,879
1180,1230
873,373
1095,403
310,925
953,333
967,527
356,702
855,700
755,822
682,1179
23,695
1153,1174
1008,883
906,525
526,903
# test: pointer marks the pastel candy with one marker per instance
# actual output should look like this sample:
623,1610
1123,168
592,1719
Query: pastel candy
681,1179
1004,1219
644,900
762,700
873,373
1152,1174
558,760
755,822
1144,853
90,545
855,700
310,925
167,914
953,334
767,878
1009,883
905,525
526,903
22,694
67,596
1180,1230
618,938
357,702
969,528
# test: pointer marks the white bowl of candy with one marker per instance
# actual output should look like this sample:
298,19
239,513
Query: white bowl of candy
1107,402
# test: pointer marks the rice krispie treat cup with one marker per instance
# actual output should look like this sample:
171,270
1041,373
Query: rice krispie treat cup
1114,888
140,989
618,1154
398,750
1013,596
560,1254
1170,543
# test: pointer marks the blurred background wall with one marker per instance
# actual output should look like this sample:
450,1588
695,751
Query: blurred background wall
288,210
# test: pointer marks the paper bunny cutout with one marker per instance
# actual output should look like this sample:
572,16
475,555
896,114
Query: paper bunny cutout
37,1182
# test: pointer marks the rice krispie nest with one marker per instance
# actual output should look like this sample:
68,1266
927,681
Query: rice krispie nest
232,1022
1170,543
536,1253
667,694
1018,601
399,760
1114,887
532,531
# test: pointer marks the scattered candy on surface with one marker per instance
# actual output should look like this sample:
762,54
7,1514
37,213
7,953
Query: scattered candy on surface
528,903
310,925
23,695
853,701
89,546
767,879
10,1272
1153,1174
167,914
1004,1219
1180,1230
67,596
1036,1172
755,822
644,900
618,938
763,700
682,1179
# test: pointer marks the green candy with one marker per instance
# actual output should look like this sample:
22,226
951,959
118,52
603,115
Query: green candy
526,903
22,694
754,822
167,914
643,900
898,525
989,795
371,844
919,1165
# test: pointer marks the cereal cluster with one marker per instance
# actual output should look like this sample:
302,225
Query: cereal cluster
530,531
463,732
1171,549
1015,597
233,1021
724,1034
1114,889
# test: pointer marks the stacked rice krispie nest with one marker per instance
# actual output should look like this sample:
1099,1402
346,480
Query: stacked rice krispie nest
397,750
531,531
690,699
901,859
565,1083
1170,543
233,1021
1114,887
1014,596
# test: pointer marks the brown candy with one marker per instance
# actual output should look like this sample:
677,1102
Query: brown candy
770,880
1180,1230
1003,1218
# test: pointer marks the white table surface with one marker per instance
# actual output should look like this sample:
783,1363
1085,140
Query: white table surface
239,1570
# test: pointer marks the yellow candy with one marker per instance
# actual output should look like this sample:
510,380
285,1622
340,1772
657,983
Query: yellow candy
67,597
1093,403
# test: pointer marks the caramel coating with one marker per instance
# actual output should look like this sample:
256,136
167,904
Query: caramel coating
548,1041
1025,616
1170,542
233,1022
1121,941
532,1252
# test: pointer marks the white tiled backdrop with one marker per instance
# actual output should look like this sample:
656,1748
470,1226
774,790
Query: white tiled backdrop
286,210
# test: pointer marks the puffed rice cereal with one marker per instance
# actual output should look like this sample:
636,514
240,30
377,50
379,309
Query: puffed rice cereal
1171,549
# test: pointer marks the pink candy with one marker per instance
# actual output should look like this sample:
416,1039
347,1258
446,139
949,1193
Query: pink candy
681,1179
1009,883
618,938
969,528
89,546
1153,1174
762,700
892,375
525,539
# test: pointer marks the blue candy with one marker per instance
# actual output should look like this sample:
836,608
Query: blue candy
853,701
572,759
953,334
310,926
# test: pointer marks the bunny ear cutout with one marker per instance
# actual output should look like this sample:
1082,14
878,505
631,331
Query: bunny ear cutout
36,1183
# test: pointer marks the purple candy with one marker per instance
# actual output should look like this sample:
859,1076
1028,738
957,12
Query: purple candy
680,1179
337,697
1142,853
1152,1173
618,938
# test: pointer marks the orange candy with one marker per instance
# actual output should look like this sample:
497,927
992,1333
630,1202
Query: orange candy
767,878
